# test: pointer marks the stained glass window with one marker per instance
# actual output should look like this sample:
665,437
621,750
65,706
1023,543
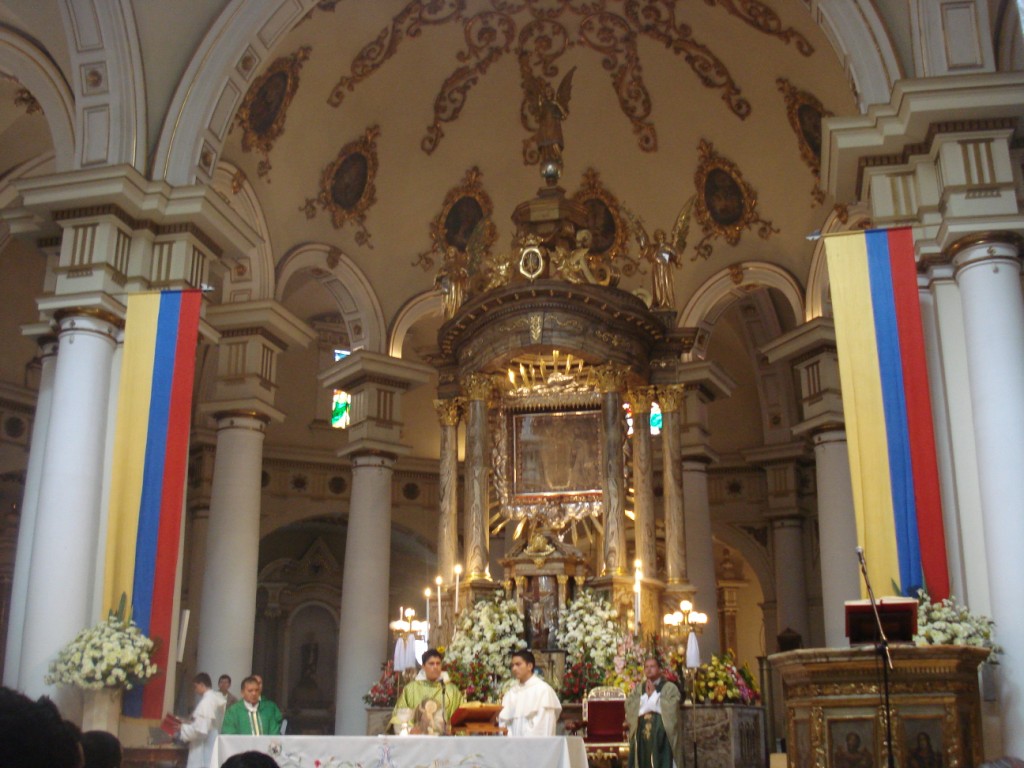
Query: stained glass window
341,404
655,418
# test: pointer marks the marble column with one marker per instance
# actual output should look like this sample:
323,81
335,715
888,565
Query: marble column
670,398
29,509
449,412
478,389
228,603
59,598
610,382
988,273
837,532
790,575
700,555
363,624
645,538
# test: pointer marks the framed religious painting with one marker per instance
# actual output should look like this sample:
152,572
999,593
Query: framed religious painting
608,228
556,454
922,741
852,742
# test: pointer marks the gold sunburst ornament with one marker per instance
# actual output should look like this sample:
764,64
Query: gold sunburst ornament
265,107
726,204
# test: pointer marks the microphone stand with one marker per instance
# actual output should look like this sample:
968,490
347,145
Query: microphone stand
882,649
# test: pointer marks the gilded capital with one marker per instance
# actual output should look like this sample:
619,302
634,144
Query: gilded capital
670,397
449,411
610,377
640,398
477,386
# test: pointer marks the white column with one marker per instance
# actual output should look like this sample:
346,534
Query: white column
363,628
232,547
989,278
790,576
29,510
837,532
700,555
63,562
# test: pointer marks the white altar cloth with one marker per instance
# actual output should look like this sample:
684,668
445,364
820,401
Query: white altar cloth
408,751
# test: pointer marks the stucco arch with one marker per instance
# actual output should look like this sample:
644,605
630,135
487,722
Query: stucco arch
24,60
243,37
253,278
426,304
339,275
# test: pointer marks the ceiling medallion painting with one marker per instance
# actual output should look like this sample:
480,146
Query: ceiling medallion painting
554,27
726,203
347,185
262,114
805,113
462,234
609,233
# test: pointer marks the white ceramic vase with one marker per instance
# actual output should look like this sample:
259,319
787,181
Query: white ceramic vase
101,710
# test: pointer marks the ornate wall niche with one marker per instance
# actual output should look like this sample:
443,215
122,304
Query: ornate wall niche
726,203
262,114
347,187
805,113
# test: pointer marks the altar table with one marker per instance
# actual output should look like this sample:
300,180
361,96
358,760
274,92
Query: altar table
408,751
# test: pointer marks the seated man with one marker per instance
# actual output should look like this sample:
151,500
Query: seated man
530,707
252,716
429,701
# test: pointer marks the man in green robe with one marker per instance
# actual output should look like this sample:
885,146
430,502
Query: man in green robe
655,721
253,715
426,704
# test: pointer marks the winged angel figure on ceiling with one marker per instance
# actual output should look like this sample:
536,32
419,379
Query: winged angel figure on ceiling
663,252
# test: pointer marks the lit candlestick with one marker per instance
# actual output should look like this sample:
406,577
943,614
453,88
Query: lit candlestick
458,573
426,595
401,612
638,574
439,581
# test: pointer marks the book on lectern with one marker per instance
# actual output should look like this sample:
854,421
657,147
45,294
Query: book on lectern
897,614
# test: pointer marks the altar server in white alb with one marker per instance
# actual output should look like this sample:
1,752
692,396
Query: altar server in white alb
200,732
530,707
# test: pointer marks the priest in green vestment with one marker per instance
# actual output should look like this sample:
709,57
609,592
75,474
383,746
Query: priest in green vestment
428,702
655,721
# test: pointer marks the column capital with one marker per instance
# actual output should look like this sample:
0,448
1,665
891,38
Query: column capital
985,247
640,397
477,386
671,397
611,377
449,412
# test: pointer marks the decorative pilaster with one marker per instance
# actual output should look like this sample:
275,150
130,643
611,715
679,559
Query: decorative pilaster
29,509
377,383
478,389
611,380
59,600
449,412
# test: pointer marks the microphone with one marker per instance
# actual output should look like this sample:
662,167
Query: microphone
860,555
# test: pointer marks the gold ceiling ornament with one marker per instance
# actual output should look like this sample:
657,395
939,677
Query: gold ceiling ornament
409,22
657,19
664,252
726,203
608,228
23,98
805,113
548,108
466,208
262,114
347,185
541,39
762,18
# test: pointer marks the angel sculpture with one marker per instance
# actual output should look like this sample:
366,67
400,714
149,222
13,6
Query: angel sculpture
550,108
451,280
663,252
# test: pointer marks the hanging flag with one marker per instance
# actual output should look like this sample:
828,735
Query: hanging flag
149,470
887,407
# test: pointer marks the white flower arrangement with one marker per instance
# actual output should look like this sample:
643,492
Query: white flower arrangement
113,654
487,634
949,622
589,625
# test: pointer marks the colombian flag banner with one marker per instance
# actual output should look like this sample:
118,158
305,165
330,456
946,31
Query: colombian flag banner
886,403
149,469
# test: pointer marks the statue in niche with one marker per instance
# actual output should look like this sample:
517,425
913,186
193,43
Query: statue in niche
542,611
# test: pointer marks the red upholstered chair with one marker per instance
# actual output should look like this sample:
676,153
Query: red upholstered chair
604,714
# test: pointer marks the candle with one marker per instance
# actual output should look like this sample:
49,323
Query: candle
439,581
458,573
637,576
426,595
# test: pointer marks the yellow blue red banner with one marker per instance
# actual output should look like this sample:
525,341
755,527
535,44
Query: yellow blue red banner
887,408
149,471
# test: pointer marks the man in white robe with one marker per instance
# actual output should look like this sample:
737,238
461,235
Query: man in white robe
531,706
200,732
